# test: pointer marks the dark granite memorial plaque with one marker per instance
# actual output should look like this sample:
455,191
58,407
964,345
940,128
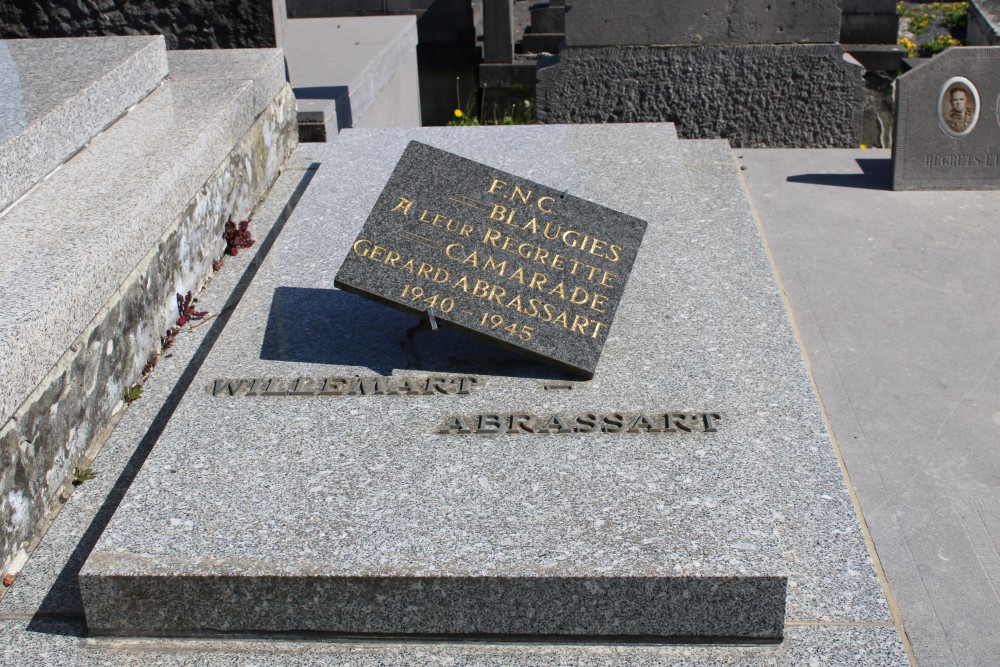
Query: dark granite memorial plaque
947,132
496,255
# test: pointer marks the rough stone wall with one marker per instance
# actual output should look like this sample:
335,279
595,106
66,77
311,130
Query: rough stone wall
796,95
644,22
67,412
191,24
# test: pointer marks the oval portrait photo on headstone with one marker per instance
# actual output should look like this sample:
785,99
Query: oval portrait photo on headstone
958,106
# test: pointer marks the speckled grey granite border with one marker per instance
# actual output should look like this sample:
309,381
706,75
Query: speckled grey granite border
748,608
67,412
776,96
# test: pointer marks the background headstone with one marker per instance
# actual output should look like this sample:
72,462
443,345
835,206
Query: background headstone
943,143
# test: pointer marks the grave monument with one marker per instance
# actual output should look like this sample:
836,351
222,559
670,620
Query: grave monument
947,131
383,478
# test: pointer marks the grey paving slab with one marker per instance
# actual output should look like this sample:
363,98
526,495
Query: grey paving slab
265,67
893,294
56,94
766,492
26,644
47,585
112,202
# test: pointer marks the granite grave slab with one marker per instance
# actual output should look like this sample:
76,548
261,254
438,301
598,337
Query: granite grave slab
947,131
577,509
497,255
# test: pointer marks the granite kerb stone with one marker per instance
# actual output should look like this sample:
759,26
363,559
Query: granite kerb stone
345,491
57,94
64,641
82,391
740,93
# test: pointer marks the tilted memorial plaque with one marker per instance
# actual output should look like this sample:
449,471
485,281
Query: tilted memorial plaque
495,255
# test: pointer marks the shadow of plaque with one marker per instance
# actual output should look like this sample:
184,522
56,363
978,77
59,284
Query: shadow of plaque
302,321
471,247
947,131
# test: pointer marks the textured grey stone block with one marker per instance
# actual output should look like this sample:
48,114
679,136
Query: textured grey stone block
648,22
745,94
75,401
929,152
361,494
56,94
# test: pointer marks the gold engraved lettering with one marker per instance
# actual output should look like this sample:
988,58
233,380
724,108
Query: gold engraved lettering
520,194
404,204
362,247
599,300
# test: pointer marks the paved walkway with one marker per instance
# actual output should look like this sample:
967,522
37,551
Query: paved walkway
895,298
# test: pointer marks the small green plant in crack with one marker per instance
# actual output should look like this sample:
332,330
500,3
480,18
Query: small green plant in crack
133,393
81,475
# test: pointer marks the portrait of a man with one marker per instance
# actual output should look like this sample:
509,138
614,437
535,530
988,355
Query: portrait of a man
958,105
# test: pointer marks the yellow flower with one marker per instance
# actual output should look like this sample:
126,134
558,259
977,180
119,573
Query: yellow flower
458,113
864,145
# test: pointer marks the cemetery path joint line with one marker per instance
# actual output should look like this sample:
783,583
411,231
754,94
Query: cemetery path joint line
495,255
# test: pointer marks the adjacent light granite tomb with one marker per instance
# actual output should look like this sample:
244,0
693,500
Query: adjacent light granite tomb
56,94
